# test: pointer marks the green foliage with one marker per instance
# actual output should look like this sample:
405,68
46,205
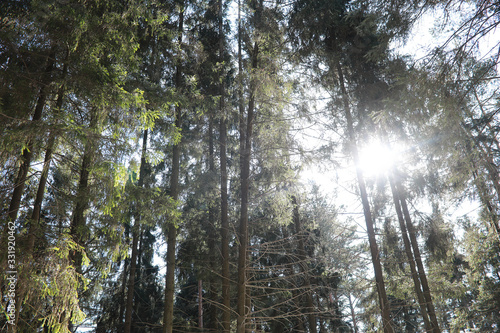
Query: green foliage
108,70
482,273
55,283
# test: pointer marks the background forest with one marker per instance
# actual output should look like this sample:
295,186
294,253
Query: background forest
249,166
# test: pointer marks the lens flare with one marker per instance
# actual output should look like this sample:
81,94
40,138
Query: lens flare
376,158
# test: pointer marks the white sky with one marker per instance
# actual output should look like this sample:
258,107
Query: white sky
340,183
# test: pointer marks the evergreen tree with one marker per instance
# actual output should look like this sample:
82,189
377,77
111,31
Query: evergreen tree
122,125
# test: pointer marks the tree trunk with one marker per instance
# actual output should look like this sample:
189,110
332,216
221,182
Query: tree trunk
200,305
297,320
211,321
131,280
77,227
299,232
375,254
418,260
136,231
245,152
51,143
243,229
138,275
411,259
168,319
22,175
226,277
122,305
226,297
34,230
172,237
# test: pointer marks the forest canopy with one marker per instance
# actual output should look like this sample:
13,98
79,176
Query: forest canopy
249,166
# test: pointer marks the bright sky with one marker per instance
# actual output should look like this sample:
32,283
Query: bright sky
339,182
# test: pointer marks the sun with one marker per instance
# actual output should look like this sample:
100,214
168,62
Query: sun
376,158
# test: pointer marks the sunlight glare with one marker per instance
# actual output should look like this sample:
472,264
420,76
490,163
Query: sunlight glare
376,158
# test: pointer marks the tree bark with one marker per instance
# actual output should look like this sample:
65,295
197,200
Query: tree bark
138,275
172,236
22,175
77,227
242,232
211,321
289,263
200,305
123,292
34,227
299,232
418,260
375,254
136,231
51,143
131,280
411,258
168,319
226,297
245,152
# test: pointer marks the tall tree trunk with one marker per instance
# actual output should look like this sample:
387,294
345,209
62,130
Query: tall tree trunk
418,259
321,317
245,152
211,322
375,254
131,279
200,305
289,264
226,297
168,319
139,271
34,230
136,231
241,278
411,258
51,143
299,232
77,227
22,174
122,305
171,239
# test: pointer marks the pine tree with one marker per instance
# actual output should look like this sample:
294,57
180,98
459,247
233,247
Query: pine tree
333,37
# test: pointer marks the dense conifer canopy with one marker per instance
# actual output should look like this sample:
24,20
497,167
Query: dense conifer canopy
249,166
